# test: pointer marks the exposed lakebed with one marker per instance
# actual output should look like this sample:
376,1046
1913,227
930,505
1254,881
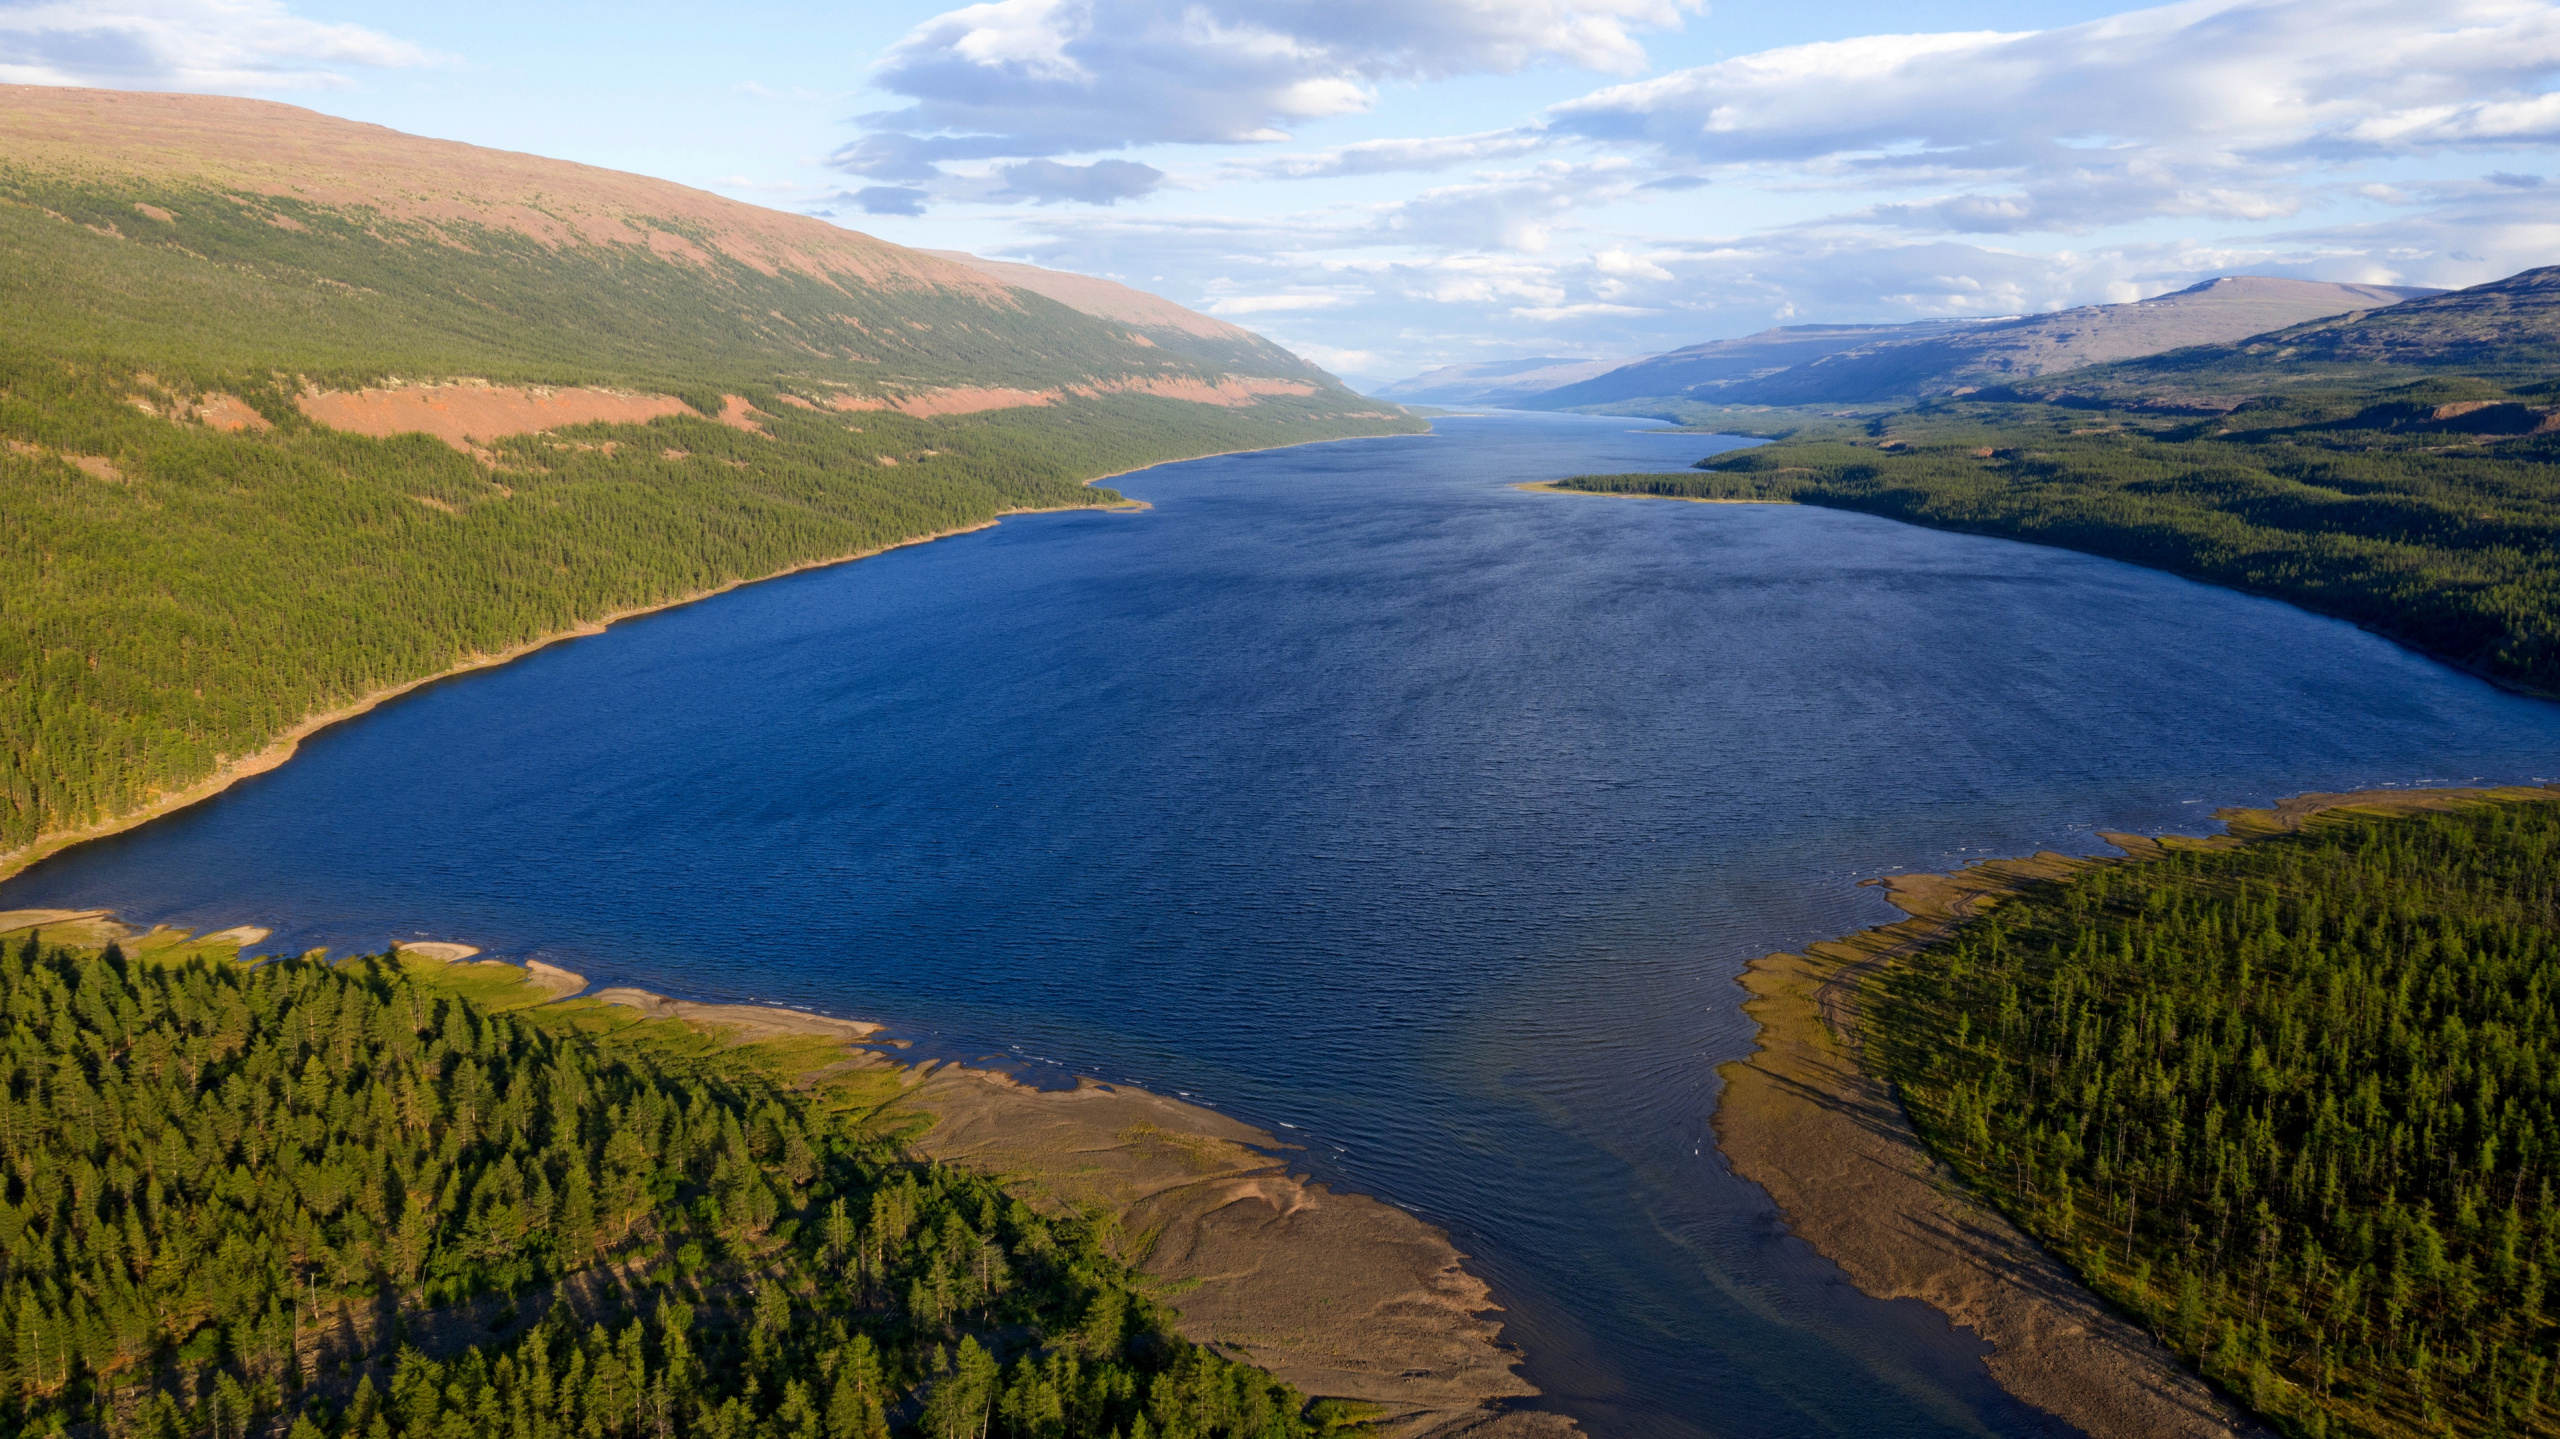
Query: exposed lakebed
1354,791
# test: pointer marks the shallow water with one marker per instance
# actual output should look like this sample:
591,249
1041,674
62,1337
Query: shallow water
1352,790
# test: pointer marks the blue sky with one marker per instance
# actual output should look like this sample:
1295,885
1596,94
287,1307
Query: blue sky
1388,185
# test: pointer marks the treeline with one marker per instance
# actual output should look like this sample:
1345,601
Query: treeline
2446,541
2295,1104
326,1200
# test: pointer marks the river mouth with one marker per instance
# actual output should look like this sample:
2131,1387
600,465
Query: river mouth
1421,820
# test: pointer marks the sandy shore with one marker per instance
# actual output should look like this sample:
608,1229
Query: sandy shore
1339,1294
1342,1295
1805,1120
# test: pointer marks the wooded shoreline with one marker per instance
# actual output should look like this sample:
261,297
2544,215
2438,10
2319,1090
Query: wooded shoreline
1343,1296
1809,1119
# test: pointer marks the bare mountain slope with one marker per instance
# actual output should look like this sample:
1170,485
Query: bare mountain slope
1813,365
257,147
1157,319
1493,382
2214,312
2484,339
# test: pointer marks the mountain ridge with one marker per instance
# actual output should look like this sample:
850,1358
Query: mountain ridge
2501,334
439,239
1493,381
1718,364
1865,364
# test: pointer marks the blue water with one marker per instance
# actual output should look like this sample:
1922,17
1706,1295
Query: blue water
1353,790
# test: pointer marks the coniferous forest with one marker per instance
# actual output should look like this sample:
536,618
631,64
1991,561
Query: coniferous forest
346,1199
2293,1104
2344,508
180,595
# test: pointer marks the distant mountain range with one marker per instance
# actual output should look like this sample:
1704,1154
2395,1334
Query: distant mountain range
1863,364
2496,339
1721,365
1495,382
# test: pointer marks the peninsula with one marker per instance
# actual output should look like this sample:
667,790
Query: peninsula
2115,1169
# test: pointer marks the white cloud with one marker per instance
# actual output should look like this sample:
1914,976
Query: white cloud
1341,362
1383,157
1268,304
2214,109
1037,78
209,45
1874,178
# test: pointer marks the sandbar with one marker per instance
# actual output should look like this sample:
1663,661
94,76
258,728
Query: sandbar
1342,1295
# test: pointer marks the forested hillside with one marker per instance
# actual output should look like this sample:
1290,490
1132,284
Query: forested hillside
2295,1104
2400,469
349,1200
202,300
2440,538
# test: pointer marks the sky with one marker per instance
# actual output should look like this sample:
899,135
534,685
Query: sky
1386,186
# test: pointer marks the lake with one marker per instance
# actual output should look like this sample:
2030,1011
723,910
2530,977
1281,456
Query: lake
1351,790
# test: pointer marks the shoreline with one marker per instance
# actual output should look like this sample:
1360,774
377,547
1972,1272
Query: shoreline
283,747
1805,1119
1344,1295
1550,487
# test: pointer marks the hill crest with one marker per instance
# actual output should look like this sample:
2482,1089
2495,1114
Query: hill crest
2505,331
284,151
1863,364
